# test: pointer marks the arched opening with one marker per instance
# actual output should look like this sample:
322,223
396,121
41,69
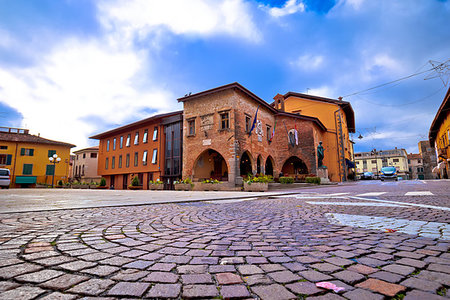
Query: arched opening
210,164
258,165
294,166
245,164
269,166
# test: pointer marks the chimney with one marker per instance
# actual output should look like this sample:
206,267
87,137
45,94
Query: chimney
340,98
279,102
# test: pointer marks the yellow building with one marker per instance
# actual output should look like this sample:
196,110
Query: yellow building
439,137
339,120
27,157
375,160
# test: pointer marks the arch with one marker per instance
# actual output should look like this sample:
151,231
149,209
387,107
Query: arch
268,169
210,164
259,166
245,165
294,166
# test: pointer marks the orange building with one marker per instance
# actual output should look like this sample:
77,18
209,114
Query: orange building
149,149
338,118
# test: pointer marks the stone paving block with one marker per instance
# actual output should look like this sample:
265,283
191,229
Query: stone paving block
234,292
284,276
92,287
382,287
359,294
101,270
272,292
362,269
420,284
77,265
138,264
200,291
256,260
160,290
249,270
134,289
116,261
196,278
231,260
314,276
204,261
439,268
442,278
326,267
15,270
178,259
339,261
129,275
344,254
192,269
387,276
228,278
328,296
151,256
307,259
40,276
257,279
272,267
64,282
22,292
304,288
420,295
399,269
6,286
59,296
162,277
221,269
412,255
411,262
165,267
349,277
371,262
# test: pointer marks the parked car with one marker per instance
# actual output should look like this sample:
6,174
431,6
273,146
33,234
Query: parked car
5,178
389,173
367,175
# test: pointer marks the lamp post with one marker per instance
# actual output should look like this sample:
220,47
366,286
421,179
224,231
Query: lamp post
375,153
54,160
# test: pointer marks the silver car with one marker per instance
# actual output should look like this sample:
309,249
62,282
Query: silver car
5,178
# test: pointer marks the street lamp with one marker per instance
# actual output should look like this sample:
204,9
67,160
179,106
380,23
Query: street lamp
54,160
375,153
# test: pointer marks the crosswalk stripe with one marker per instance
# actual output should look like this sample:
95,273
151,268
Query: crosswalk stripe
419,193
372,194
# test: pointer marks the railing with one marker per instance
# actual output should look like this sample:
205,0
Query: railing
14,130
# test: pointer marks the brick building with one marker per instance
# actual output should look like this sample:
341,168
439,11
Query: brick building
217,142
149,149
429,160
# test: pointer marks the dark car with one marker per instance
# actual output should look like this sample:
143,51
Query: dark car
388,173
367,175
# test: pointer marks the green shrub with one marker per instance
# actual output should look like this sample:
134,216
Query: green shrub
261,178
135,181
155,182
314,180
103,182
184,181
213,181
286,180
75,182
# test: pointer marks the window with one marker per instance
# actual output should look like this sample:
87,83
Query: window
50,170
191,126
136,159
26,152
136,138
144,158
128,140
84,155
3,147
107,145
145,138
5,159
374,161
419,161
155,156
120,161
51,152
395,160
127,160
27,169
269,132
93,155
82,172
114,143
121,142
155,134
224,120
113,162
248,121
106,163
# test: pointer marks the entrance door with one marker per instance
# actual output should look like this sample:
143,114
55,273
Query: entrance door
112,182
217,168
125,181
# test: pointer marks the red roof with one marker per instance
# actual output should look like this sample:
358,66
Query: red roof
29,138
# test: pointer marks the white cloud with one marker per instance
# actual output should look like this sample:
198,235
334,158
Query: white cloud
79,80
308,62
289,8
194,17
323,91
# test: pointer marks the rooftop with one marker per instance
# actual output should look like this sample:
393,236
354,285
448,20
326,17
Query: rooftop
22,136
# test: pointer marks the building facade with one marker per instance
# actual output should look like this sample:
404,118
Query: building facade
429,159
84,168
375,160
439,137
223,139
149,149
27,157
415,166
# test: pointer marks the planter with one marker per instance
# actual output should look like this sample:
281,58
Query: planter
93,186
256,187
100,187
76,186
183,187
135,187
223,186
84,186
156,187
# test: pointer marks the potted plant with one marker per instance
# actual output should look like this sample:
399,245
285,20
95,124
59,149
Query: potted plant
76,185
183,185
84,185
102,184
93,185
155,185
59,184
257,184
135,184
210,185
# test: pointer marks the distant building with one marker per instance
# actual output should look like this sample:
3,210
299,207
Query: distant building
84,167
429,160
415,166
373,162
439,137
27,157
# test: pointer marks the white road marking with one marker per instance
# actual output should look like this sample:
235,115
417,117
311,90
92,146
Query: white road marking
355,204
338,194
419,193
404,203
421,228
372,194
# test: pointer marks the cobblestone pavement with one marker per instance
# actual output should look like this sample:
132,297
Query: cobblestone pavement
273,248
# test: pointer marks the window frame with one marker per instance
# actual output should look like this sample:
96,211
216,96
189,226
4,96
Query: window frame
114,143
155,134
128,143
106,163
155,156
136,138
107,145
191,125
119,163
127,160
121,142
224,122
25,168
145,137
248,120
136,159
113,162
144,157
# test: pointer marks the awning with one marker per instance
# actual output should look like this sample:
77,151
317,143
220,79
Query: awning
349,163
25,179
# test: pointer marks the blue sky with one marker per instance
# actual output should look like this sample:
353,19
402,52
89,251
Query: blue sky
70,69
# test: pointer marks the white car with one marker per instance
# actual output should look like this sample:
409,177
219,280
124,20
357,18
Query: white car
5,178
